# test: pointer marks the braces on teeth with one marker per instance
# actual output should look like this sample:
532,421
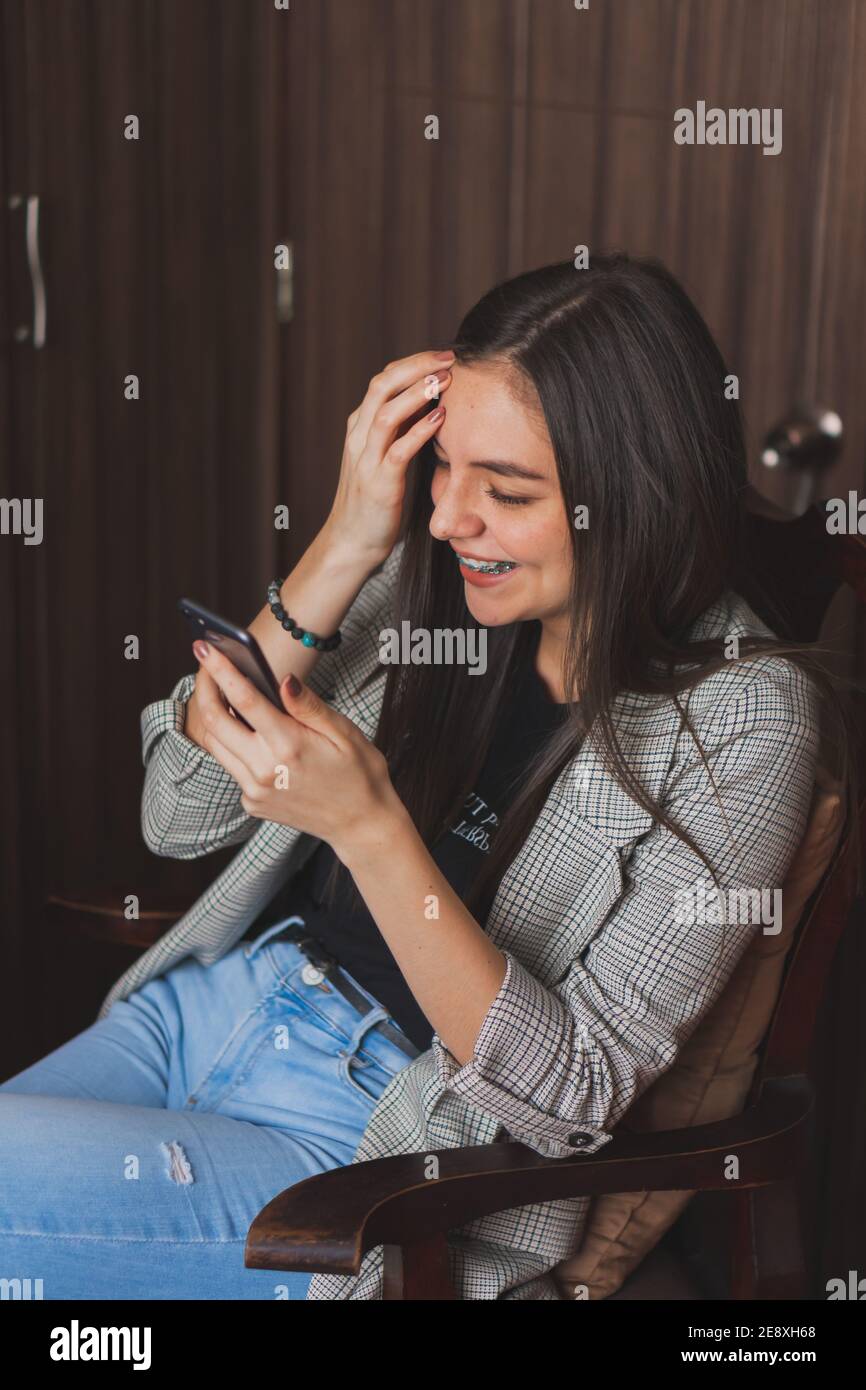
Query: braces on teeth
500,566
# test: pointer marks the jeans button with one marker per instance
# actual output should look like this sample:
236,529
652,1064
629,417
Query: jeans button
311,975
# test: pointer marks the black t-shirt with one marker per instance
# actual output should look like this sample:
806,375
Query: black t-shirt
525,720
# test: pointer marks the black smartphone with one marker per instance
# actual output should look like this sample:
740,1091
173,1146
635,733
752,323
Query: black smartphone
241,648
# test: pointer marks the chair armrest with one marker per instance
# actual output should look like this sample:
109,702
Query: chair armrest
327,1223
99,915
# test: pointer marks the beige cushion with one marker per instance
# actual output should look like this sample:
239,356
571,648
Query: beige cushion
711,1077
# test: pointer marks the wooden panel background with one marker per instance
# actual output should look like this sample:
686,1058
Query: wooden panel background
159,261
557,128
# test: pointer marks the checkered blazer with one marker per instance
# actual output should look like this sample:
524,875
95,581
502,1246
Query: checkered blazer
603,985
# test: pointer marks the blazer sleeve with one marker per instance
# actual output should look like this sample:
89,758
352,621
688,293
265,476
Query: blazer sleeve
190,805
560,1066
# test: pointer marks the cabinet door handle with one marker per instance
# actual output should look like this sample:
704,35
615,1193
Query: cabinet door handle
36,334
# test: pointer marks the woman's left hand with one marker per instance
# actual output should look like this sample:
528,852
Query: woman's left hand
310,768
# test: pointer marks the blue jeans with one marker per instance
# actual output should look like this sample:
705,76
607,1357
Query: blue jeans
134,1158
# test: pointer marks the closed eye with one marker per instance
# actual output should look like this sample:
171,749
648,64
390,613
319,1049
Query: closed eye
506,499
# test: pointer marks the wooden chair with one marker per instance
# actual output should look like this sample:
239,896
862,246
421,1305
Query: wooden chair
742,1243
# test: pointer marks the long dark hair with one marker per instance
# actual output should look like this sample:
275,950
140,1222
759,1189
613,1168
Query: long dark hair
632,388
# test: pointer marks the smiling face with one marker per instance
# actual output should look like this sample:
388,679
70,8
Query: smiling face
486,507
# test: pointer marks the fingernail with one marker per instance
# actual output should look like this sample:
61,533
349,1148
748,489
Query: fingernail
435,416
294,686
444,356
202,650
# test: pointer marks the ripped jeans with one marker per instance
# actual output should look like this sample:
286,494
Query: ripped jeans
134,1158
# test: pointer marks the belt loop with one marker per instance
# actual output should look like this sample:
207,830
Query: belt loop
363,1026
273,930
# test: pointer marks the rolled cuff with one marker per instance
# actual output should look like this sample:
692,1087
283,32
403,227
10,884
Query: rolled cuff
172,757
523,1036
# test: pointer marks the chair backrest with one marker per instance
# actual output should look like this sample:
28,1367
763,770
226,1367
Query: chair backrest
712,1077
799,566
787,1047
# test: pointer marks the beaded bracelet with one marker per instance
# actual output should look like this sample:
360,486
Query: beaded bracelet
308,639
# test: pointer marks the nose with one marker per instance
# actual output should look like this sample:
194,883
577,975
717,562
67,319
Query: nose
453,514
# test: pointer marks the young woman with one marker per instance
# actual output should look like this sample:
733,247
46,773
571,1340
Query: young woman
455,913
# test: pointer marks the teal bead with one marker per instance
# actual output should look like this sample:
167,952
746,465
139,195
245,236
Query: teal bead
308,640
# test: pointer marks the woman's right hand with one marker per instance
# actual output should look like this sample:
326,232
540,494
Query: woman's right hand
368,504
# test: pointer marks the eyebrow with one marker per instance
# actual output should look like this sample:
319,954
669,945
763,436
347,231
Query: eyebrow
502,467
